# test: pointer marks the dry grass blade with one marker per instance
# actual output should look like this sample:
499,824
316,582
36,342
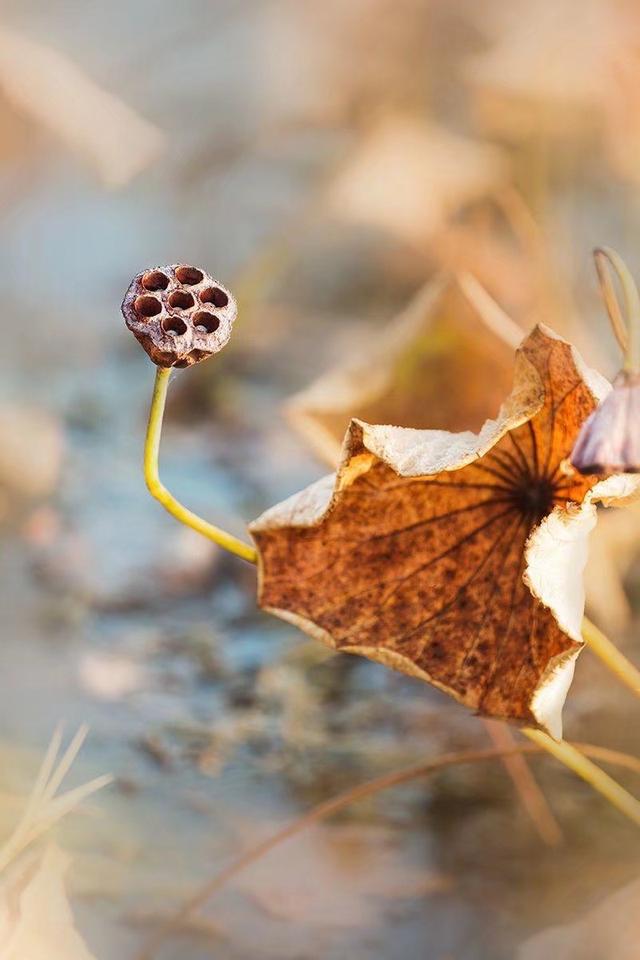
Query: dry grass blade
35,798
59,807
44,808
19,838
345,799
59,773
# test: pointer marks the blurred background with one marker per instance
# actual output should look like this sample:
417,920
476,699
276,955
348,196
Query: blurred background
394,189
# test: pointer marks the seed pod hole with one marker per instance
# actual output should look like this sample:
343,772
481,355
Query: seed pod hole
194,357
174,325
155,280
147,306
206,322
180,299
214,295
188,275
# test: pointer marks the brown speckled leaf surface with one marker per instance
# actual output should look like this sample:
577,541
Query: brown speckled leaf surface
419,552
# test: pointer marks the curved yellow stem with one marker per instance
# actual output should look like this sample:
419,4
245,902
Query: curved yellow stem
588,771
613,659
158,490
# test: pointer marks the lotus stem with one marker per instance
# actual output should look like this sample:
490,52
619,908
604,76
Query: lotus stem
611,656
600,781
527,788
158,490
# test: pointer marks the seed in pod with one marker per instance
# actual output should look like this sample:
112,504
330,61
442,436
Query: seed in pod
609,441
179,314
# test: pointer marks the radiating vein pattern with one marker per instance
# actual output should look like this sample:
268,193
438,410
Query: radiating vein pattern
426,573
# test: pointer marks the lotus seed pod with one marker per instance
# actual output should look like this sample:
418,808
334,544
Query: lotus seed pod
609,441
179,314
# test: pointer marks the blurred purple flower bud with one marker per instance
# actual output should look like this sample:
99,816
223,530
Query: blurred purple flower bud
609,441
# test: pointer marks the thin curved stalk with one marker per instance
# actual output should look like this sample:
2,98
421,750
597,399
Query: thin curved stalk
158,490
626,329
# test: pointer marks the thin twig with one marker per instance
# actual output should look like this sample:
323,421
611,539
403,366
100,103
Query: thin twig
527,787
345,799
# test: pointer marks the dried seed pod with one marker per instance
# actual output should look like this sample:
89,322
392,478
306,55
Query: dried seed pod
179,314
609,441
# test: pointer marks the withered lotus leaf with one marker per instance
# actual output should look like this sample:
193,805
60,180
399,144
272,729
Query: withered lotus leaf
454,557
445,362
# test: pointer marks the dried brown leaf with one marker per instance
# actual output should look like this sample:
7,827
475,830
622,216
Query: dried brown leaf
455,558
445,362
